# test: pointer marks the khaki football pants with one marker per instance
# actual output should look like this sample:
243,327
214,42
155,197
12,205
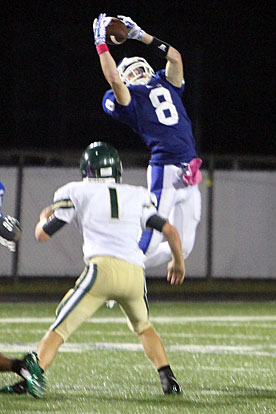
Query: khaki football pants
104,278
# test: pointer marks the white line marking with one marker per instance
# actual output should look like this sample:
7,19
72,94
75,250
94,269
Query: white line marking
122,332
207,335
214,368
168,319
199,349
261,324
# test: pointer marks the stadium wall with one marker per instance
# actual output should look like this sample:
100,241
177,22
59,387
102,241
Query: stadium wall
235,238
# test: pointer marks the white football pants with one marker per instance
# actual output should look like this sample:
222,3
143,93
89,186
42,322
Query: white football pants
180,204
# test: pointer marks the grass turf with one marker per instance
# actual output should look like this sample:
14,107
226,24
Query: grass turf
223,354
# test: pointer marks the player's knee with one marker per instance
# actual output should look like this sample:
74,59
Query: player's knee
63,332
149,330
138,326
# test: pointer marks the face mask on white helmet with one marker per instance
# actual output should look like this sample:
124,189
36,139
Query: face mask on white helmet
135,71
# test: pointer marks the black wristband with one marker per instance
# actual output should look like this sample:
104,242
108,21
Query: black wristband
53,225
156,222
160,47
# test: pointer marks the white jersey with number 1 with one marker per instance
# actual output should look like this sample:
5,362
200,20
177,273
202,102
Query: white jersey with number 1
109,216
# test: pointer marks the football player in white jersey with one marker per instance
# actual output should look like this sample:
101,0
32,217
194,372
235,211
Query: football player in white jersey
150,103
110,216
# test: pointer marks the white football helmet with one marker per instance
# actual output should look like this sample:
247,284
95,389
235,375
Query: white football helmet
135,71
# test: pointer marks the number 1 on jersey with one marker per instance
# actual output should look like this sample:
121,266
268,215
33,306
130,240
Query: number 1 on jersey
114,203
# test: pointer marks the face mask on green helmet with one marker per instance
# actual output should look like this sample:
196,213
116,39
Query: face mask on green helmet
101,160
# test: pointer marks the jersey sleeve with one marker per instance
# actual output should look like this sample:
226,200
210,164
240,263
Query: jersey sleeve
63,204
125,114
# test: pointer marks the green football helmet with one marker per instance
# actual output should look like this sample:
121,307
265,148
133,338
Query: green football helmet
101,160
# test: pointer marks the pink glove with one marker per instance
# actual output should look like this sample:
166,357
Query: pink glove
193,174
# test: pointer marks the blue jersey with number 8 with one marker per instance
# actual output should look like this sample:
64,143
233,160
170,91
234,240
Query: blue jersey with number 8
156,113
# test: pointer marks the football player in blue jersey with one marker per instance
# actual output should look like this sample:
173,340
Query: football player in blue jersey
151,104
28,369
10,228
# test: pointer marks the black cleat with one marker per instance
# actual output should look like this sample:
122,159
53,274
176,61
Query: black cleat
168,381
169,384
18,388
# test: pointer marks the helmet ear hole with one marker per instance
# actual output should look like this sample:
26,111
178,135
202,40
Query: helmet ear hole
101,160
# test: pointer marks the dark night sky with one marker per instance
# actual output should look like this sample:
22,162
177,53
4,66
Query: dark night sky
53,85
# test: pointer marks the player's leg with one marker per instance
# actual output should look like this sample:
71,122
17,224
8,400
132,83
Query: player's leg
91,290
5,363
185,216
155,351
135,305
160,256
48,348
153,347
160,183
150,239
77,305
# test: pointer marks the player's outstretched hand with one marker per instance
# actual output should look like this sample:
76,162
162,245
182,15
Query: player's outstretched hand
13,222
134,31
99,28
176,273
10,232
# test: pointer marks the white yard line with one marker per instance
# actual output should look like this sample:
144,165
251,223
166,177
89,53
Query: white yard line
216,336
157,319
232,369
132,347
185,368
254,350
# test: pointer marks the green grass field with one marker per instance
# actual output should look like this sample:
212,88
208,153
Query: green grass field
223,354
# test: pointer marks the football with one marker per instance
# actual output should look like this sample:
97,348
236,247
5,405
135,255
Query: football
116,32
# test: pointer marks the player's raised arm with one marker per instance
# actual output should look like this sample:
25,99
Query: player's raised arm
174,66
107,62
